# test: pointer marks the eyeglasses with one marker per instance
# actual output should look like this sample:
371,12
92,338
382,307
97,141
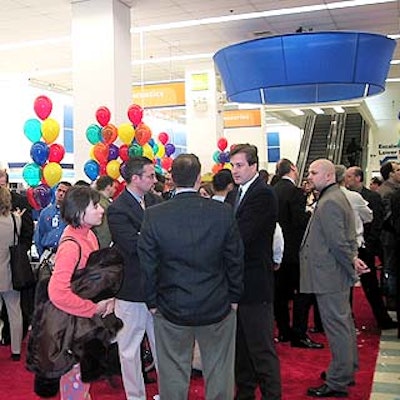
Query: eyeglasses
150,176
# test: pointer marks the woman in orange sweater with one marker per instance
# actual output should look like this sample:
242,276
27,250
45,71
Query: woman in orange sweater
81,211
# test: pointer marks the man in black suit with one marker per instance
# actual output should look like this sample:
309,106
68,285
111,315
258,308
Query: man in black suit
293,219
192,255
125,216
354,179
256,209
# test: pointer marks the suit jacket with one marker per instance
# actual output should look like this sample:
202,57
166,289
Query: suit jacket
329,245
292,218
257,215
192,255
372,230
125,217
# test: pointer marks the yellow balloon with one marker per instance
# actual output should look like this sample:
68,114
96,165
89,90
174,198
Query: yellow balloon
91,153
52,173
161,150
148,151
112,169
50,130
126,133
227,166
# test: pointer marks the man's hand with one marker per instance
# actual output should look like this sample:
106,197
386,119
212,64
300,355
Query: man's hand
360,266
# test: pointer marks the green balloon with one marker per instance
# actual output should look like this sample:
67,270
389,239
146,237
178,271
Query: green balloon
135,150
32,130
32,174
93,133
216,156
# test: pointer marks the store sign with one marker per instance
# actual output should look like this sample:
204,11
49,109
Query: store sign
241,118
199,82
160,95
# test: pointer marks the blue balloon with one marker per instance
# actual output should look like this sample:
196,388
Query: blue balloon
40,153
91,169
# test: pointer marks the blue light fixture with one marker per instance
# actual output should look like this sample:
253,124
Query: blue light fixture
301,68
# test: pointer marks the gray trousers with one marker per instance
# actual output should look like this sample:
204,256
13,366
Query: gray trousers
174,344
340,331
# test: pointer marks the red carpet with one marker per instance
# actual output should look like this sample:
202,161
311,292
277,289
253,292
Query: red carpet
300,368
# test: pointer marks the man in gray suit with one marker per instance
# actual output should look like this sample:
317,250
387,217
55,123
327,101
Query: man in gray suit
328,265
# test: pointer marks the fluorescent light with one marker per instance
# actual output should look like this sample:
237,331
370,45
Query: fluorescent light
338,109
393,80
261,14
297,111
317,110
185,57
34,43
395,62
395,36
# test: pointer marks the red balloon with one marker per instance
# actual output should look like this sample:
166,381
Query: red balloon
31,199
109,133
120,186
103,115
103,169
100,151
166,163
56,152
135,114
42,106
124,152
163,137
142,133
222,144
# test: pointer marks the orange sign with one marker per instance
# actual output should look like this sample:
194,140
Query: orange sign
241,118
160,95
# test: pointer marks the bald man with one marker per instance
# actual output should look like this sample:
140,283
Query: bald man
328,265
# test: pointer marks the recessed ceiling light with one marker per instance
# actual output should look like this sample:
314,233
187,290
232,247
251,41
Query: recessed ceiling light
317,110
339,109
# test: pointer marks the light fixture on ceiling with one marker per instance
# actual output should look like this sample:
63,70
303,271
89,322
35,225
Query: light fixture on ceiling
338,109
317,110
261,14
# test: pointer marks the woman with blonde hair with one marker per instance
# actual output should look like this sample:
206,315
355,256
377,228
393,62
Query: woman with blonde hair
8,295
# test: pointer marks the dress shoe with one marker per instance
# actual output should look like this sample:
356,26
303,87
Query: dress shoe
325,391
148,380
15,356
306,343
316,330
282,339
323,377
196,373
390,324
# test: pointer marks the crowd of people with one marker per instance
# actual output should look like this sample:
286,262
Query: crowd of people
227,269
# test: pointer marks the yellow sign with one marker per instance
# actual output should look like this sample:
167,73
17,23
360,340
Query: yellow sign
241,118
159,95
199,82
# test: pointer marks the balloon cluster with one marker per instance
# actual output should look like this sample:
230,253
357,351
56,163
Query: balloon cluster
45,171
107,158
221,157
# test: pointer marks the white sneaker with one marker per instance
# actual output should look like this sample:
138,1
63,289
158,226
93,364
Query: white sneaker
156,397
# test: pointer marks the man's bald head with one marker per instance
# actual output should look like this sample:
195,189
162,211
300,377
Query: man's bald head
321,173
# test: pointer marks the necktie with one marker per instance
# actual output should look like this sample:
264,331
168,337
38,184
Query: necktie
237,200
142,204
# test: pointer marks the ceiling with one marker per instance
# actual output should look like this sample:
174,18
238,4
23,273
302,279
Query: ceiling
24,24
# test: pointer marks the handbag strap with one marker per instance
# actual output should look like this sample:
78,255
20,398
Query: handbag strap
72,239
16,236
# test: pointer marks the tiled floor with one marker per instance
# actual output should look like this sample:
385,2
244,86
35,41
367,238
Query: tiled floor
387,372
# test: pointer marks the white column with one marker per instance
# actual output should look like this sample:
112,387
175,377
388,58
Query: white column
101,44
203,114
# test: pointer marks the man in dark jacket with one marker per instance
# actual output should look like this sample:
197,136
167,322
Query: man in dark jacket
372,231
293,219
256,209
192,255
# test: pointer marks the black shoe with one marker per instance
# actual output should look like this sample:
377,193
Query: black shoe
148,380
196,373
325,391
388,325
323,377
306,343
282,339
316,330
16,357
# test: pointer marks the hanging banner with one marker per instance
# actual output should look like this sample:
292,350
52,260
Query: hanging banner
159,95
241,118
